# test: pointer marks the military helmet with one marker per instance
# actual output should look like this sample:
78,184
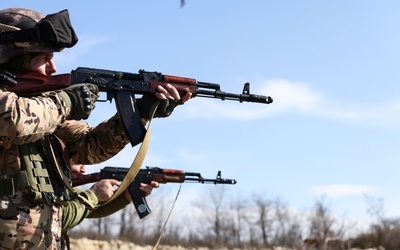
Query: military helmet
28,31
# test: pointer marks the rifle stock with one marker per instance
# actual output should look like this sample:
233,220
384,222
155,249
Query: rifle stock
79,179
146,175
31,83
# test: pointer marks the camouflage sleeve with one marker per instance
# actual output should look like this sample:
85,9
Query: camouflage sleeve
93,145
24,120
75,212
115,205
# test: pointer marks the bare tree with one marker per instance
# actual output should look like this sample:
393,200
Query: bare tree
217,199
321,222
123,223
264,221
253,227
287,228
103,227
212,207
131,227
237,225
383,231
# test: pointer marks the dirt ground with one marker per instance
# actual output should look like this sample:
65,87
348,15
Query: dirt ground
87,244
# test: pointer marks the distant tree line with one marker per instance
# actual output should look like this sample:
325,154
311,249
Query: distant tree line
218,220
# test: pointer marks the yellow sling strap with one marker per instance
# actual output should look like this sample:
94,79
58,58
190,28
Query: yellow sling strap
137,163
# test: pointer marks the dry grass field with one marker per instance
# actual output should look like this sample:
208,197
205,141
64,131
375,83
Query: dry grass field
88,244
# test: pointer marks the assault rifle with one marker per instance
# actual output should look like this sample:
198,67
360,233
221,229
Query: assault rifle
122,86
146,175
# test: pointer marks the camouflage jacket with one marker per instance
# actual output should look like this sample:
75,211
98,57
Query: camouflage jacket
26,223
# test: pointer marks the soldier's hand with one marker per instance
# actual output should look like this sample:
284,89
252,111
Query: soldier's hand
83,97
147,188
104,189
144,187
169,98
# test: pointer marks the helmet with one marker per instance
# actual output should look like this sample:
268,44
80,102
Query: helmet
28,31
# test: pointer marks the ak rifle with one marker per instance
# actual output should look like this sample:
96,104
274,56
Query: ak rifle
122,86
146,175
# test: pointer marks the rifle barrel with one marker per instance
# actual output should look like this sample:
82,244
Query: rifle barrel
214,181
235,97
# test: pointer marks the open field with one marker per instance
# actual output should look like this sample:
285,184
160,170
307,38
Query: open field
88,244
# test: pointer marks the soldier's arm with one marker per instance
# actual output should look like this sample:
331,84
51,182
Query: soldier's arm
92,145
74,212
24,120
114,206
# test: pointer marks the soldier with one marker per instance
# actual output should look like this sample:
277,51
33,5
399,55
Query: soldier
40,133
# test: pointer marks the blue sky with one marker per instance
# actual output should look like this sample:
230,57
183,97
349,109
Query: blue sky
331,68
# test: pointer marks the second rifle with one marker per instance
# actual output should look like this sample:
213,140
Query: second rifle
146,175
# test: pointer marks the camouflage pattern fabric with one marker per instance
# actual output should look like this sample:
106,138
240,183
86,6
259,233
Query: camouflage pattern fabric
93,145
24,223
20,18
26,120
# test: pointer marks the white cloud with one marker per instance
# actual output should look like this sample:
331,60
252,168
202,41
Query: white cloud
287,96
293,96
341,190
301,98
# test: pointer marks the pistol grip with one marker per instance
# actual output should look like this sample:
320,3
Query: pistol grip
139,200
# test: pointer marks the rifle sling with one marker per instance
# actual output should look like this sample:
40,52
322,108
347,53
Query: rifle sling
137,163
66,183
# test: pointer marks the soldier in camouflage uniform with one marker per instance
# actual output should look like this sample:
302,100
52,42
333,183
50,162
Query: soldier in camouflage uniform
32,197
